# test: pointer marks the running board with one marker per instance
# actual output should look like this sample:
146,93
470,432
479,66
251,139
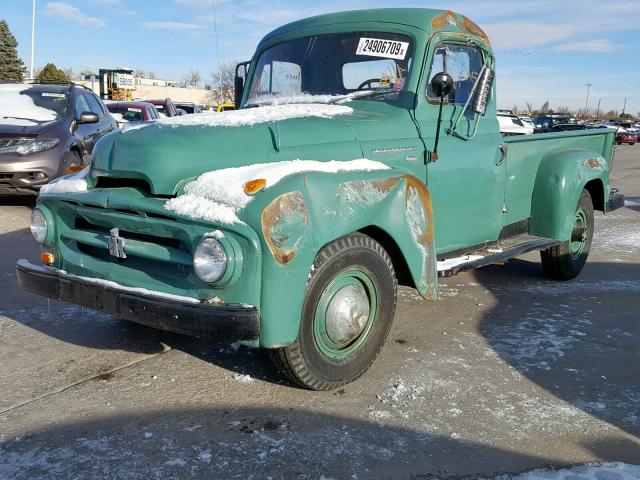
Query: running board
497,252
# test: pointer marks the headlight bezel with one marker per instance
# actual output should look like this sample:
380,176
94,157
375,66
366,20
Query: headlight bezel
210,243
49,227
27,146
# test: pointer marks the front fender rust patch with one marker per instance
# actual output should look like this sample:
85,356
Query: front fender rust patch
285,221
419,215
367,192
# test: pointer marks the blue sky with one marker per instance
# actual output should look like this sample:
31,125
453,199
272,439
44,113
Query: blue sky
546,50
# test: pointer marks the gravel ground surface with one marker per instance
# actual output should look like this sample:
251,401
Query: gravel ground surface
506,373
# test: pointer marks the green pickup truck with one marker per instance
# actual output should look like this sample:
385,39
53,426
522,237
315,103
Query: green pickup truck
366,153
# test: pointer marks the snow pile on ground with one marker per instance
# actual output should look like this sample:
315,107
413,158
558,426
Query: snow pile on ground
608,471
218,195
253,116
76,182
13,104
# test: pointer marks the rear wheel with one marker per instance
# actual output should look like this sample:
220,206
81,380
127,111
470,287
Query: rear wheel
565,261
347,313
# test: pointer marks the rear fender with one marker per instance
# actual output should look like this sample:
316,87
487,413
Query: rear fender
305,212
561,177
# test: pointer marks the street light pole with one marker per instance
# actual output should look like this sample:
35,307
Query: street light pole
586,104
33,36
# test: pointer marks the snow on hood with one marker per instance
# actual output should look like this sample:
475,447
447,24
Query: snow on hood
13,104
253,116
218,195
76,182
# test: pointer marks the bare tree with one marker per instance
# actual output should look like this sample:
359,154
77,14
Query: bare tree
545,107
514,109
193,79
529,108
222,83
139,73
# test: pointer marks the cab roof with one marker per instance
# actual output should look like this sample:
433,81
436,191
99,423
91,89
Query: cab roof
427,19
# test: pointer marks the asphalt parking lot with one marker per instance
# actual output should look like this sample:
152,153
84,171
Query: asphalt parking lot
505,373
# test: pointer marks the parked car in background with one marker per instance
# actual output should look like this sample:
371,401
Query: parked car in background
223,107
545,123
45,132
128,112
510,124
189,107
568,127
166,107
626,137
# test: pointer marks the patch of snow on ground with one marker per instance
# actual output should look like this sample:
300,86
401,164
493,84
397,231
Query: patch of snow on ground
75,182
238,377
254,116
218,195
603,471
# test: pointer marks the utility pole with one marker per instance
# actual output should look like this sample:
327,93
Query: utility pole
586,104
624,108
598,112
33,35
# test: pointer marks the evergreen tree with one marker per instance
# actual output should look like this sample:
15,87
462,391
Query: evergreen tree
11,67
52,74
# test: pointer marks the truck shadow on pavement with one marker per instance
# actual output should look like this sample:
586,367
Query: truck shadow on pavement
578,340
251,442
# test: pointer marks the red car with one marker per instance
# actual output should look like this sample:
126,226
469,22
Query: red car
626,137
125,112
165,107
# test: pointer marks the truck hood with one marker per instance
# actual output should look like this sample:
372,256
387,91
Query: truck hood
167,155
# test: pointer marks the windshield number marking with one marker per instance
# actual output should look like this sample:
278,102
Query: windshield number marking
376,47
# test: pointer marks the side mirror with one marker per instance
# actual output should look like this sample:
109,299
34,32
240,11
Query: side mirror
442,84
88,117
242,69
485,83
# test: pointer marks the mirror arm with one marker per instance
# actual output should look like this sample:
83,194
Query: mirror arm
434,155
477,116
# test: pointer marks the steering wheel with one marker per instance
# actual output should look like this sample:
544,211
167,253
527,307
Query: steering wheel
368,82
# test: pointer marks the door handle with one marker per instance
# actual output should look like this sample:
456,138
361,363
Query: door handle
504,150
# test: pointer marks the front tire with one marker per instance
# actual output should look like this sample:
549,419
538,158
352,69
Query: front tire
565,261
348,310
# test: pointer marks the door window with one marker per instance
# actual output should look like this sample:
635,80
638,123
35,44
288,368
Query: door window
94,105
81,105
463,63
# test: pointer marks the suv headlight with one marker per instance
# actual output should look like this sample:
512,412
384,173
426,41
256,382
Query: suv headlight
39,226
25,146
210,260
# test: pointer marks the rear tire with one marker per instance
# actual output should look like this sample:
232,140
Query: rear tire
566,260
348,310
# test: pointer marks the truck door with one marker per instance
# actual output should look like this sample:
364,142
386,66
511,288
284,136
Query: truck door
467,181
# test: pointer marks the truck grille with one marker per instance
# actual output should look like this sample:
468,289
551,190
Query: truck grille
158,256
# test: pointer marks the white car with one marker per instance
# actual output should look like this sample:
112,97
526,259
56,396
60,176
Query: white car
511,124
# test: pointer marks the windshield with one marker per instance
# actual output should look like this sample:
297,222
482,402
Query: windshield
319,68
127,114
27,106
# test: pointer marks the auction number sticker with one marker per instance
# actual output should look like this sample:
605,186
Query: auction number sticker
52,94
378,47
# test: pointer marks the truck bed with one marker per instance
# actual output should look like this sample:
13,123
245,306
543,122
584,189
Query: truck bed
526,153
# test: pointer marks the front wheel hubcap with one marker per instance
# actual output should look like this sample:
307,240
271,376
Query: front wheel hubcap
345,314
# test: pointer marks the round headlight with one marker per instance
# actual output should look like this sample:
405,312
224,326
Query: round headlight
39,225
210,260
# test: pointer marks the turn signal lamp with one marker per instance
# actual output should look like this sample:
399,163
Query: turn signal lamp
47,258
74,168
254,186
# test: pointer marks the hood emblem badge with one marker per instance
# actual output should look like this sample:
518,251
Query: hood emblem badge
116,244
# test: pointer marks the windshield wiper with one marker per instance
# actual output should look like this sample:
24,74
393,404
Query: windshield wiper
360,94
